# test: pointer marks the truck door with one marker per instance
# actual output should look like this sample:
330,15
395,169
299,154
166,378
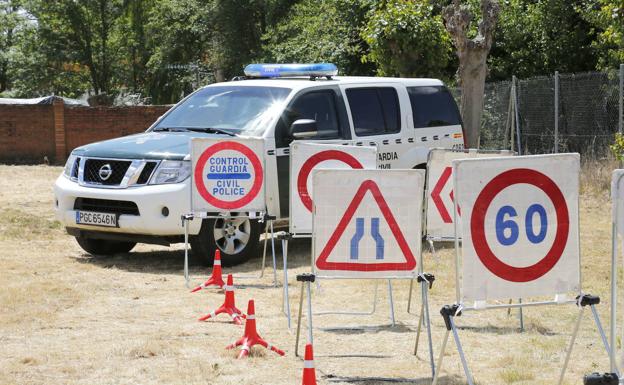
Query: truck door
325,106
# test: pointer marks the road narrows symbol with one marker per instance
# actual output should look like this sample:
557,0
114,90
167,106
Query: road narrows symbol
371,187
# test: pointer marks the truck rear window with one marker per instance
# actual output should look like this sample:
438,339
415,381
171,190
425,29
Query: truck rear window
375,111
433,106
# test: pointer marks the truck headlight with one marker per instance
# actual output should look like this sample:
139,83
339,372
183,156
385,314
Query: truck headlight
171,171
71,168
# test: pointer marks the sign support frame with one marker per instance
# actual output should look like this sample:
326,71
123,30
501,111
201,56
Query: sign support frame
448,312
614,263
423,278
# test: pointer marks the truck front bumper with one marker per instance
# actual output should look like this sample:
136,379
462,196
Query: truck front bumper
150,200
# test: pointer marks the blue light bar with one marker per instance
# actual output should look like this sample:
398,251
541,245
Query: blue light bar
289,70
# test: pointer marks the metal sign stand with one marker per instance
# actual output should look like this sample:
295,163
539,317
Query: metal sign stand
306,280
448,312
186,218
285,237
268,219
615,186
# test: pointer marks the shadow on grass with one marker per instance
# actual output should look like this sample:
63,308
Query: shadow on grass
172,261
354,330
446,380
507,329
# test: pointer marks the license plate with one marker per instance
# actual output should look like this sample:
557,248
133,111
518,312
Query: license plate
96,219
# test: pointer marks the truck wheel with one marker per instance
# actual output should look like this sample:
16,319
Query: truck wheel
237,238
104,247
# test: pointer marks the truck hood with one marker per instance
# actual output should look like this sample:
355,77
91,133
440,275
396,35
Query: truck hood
147,145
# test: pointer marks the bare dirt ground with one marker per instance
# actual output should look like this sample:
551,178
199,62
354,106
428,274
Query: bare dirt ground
69,318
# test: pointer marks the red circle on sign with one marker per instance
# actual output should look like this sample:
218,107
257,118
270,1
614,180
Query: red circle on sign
477,225
308,165
255,163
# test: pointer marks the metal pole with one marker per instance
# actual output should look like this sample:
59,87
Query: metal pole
266,239
621,124
614,276
441,357
286,301
391,303
517,113
571,345
461,352
425,300
457,291
186,259
556,112
274,260
603,335
310,337
521,316
420,322
299,321
409,297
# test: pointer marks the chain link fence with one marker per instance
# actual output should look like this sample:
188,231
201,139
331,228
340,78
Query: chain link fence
586,119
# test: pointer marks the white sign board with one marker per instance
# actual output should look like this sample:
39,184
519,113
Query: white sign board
519,229
305,157
617,197
440,192
367,223
227,175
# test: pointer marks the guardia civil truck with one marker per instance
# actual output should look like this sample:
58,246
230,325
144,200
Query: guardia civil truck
116,193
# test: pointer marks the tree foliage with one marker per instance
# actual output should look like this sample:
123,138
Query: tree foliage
407,39
162,49
321,31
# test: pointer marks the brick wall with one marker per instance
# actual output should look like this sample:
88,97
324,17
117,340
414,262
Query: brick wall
30,132
91,124
26,133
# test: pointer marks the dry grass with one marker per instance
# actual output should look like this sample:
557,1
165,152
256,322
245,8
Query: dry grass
69,318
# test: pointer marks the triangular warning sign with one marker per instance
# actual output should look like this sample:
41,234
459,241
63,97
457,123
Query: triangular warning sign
410,262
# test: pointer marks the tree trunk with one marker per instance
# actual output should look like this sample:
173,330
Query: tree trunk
472,54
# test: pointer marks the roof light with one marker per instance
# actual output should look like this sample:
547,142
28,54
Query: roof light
289,70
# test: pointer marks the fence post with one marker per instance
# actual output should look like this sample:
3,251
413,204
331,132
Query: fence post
58,109
514,86
556,112
621,120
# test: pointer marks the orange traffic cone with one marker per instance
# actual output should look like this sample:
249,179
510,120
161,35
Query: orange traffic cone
229,306
309,374
251,336
216,279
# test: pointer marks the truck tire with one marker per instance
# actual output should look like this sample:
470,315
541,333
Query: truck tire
103,246
236,238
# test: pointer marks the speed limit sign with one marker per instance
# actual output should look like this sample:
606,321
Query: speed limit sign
520,233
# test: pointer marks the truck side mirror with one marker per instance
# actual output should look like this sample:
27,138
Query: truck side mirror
303,129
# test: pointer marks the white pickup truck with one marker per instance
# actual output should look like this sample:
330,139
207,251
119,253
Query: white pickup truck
134,189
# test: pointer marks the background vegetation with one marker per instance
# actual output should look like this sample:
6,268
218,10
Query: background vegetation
159,50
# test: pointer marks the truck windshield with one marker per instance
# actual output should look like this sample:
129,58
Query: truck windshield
238,109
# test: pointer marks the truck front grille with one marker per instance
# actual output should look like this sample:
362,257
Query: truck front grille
106,206
96,171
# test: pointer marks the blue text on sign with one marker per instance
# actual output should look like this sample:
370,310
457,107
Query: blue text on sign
503,224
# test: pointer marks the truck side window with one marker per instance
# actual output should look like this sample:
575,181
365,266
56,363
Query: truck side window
433,106
318,105
375,111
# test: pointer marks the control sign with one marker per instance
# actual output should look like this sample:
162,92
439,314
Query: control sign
306,157
367,223
440,193
519,226
228,175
